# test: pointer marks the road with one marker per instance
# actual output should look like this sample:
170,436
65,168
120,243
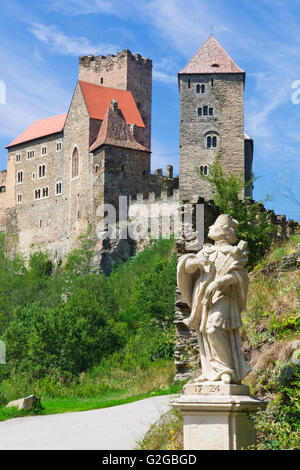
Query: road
115,428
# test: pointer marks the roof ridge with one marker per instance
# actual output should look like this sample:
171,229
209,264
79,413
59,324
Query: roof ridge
115,131
211,57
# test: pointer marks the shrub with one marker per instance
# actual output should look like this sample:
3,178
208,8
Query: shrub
254,227
278,427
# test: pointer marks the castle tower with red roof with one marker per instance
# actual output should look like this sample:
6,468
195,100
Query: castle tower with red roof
124,71
211,90
63,169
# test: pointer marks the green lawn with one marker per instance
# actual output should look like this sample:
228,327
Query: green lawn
105,400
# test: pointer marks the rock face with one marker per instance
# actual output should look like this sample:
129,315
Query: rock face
27,403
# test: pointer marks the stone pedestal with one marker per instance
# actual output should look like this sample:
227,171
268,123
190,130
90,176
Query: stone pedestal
216,416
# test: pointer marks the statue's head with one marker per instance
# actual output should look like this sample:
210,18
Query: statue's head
224,229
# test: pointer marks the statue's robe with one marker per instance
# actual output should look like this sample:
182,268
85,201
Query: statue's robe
216,319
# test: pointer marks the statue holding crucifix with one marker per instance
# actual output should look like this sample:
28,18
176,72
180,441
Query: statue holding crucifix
214,283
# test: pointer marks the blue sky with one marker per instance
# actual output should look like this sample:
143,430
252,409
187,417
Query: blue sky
40,43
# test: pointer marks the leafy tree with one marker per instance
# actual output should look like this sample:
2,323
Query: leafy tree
254,226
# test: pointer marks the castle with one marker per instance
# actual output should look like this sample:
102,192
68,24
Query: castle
62,168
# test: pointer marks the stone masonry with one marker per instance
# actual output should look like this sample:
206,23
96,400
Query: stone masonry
211,90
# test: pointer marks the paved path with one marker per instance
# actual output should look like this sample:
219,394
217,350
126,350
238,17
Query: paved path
115,428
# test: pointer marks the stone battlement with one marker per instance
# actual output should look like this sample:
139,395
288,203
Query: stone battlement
88,60
153,197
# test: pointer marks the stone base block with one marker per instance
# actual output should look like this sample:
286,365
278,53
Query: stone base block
217,421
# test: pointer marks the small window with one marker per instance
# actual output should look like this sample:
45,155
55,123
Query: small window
45,192
30,154
212,82
204,170
44,150
203,88
33,176
198,89
18,158
96,168
211,111
20,177
58,145
215,65
19,198
212,141
58,188
205,110
42,171
75,163
2,189
101,80
189,83
78,215
37,194
41,223
199,111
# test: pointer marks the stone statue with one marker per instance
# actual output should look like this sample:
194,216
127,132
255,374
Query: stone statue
214,284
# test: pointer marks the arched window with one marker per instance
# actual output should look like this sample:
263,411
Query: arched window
42,171
20,177
211,141
198,89
75,163
202,88
2,189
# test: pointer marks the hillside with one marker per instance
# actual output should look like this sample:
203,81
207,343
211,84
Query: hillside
271,343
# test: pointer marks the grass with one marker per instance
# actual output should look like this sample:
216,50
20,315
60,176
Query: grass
166,434
72,404
116,387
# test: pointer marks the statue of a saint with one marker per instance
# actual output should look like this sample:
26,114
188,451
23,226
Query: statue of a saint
214,283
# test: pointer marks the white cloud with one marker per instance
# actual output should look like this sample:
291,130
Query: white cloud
67,45
169,79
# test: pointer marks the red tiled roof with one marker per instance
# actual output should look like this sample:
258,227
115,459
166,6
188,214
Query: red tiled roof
114,131
211,58
98,99
41,128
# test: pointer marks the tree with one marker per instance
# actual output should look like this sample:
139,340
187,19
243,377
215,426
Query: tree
254,226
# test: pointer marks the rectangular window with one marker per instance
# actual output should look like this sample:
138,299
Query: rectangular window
58,145
19,198
205,110
211,111
58,188
42,171
30,154
199,111
20,177
44,150
18,158
189,83
37,194
45,192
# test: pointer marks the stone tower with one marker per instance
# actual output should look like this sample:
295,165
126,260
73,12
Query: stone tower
123,71
211,90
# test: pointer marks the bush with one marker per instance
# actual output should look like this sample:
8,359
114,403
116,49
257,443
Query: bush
278,427
79,318
254,227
